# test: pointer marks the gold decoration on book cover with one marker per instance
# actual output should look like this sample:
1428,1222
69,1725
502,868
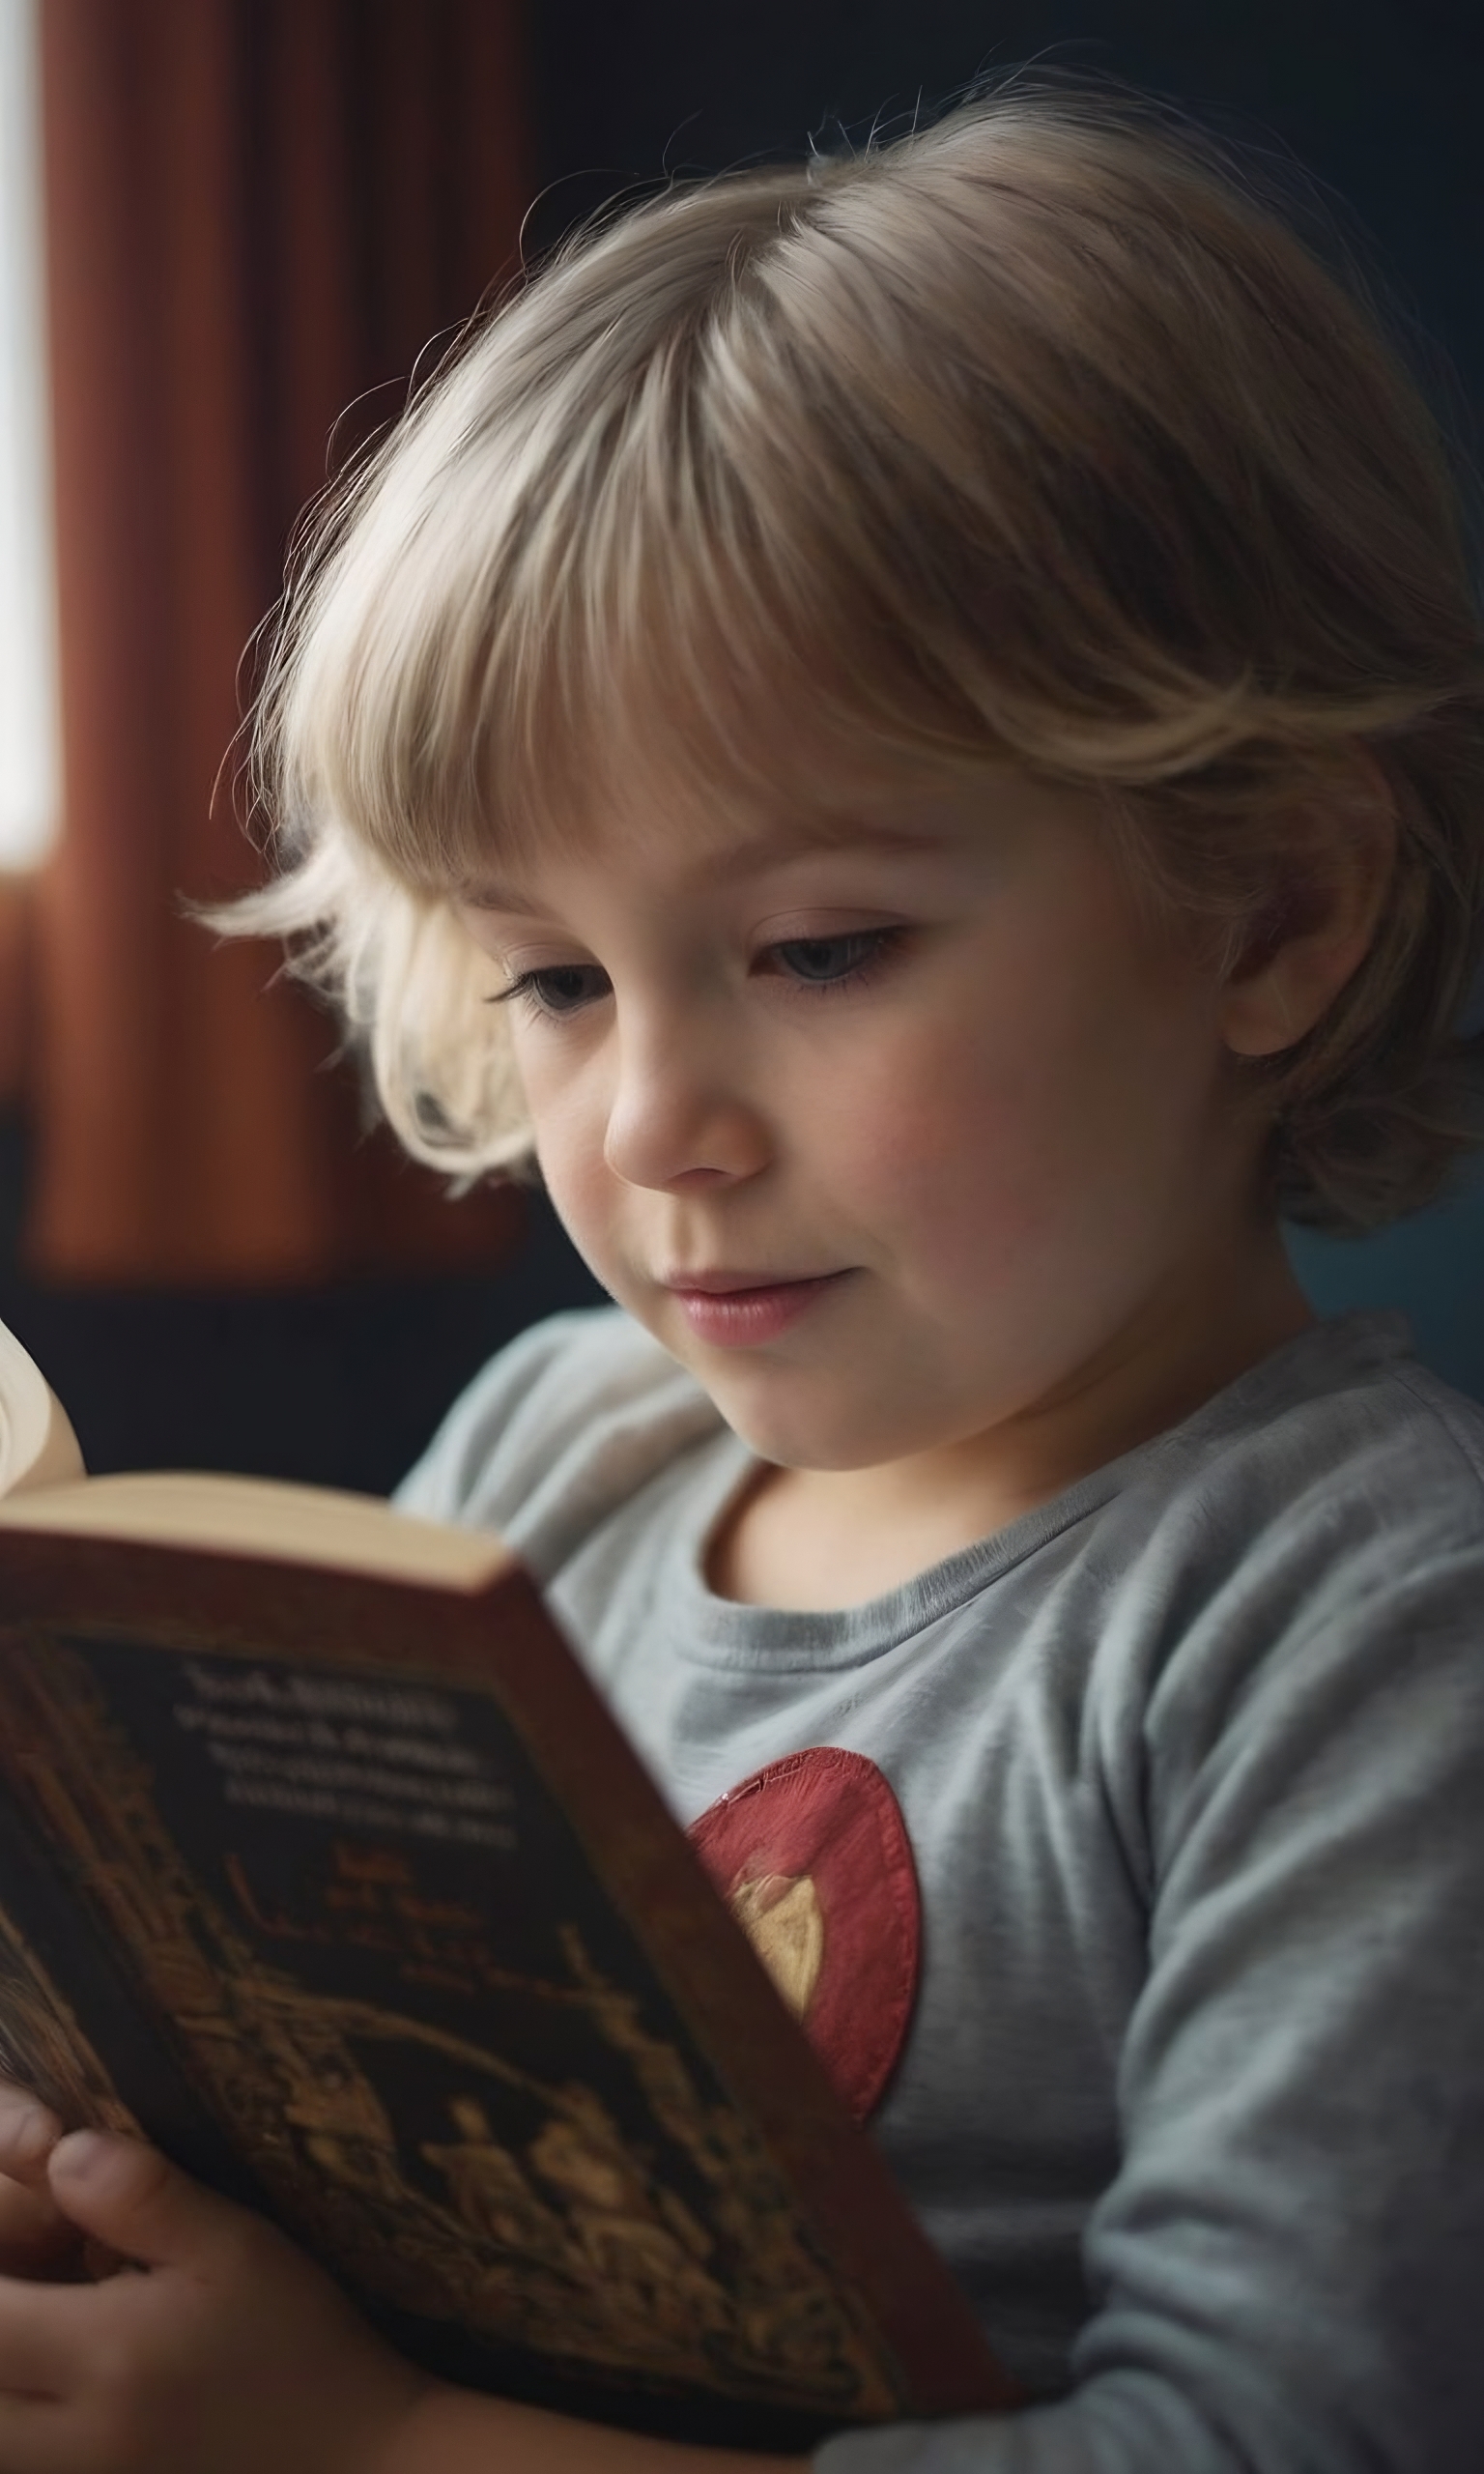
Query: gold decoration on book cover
570,2240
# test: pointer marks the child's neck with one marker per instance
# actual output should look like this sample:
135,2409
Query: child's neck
819,1538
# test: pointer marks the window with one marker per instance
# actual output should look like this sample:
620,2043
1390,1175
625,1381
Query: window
29,762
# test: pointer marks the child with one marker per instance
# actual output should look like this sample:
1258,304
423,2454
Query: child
914,727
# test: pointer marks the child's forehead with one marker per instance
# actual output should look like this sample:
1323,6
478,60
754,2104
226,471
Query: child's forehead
718,851
887,816
730,828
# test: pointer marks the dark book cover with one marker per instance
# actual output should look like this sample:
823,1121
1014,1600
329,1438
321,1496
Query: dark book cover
350,1894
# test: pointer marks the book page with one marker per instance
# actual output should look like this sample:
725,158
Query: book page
259,1516
38,1447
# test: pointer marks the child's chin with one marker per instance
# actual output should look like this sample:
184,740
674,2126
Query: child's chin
827,1440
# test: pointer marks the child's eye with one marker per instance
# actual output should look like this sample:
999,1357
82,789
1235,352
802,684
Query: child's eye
835,961
559,989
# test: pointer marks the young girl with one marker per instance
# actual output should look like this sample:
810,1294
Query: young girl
912,729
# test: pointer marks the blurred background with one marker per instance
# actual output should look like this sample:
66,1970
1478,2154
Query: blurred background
249,220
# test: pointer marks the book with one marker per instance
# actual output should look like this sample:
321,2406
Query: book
324,1865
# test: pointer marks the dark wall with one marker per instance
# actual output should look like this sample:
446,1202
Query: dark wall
1380,99
340,1386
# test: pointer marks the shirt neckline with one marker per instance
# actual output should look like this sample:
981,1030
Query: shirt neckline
713,1630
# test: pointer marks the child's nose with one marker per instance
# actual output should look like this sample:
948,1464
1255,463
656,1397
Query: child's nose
681,1108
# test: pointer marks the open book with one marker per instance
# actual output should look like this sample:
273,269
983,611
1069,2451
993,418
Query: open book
321,1862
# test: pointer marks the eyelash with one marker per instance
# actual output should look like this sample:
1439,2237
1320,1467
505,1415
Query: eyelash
525,990
874,948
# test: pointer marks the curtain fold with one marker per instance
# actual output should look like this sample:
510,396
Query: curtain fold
259,213
15,1007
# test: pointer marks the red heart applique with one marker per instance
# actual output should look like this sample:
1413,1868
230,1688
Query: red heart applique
812,1857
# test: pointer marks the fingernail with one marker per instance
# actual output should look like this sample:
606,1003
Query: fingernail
80,2153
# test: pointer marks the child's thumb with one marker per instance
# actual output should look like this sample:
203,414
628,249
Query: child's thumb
130,2197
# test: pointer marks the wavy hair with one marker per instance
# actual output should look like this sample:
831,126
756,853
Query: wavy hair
1035,436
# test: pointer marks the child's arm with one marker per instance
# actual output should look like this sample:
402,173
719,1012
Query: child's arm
228,2350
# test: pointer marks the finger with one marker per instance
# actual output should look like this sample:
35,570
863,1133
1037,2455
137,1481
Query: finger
47,2333
37,2436
35,2236
29,2130
134,2202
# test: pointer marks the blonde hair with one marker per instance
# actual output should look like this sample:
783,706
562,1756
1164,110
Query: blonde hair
1032,437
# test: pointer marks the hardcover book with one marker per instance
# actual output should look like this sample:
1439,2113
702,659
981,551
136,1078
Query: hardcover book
322,1864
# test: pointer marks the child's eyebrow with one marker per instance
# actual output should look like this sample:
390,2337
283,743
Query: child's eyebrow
486,894
753,855
802,838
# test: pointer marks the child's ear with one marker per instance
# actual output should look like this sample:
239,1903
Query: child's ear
1316,931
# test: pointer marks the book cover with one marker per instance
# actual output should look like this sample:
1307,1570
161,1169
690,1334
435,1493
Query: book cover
348,1892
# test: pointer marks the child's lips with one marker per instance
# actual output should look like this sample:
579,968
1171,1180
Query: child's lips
725,1283
737,1309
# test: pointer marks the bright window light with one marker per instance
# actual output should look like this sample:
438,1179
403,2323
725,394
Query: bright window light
29,764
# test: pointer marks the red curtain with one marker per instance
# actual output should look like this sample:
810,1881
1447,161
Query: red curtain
259,213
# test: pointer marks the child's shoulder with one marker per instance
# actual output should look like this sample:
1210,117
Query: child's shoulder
557,1429
1323,1517
1345,1413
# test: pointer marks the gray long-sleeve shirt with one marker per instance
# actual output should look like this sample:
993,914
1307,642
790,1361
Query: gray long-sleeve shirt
1191,1760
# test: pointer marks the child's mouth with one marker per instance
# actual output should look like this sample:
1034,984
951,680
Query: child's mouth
739,1315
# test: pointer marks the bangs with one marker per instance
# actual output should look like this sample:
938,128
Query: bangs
723,503
645,592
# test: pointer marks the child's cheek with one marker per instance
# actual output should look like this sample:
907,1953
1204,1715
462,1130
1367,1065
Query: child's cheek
574,1171
960,1157
1009,1197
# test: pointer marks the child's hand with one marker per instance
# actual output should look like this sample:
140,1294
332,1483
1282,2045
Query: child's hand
36,2239
225,2351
